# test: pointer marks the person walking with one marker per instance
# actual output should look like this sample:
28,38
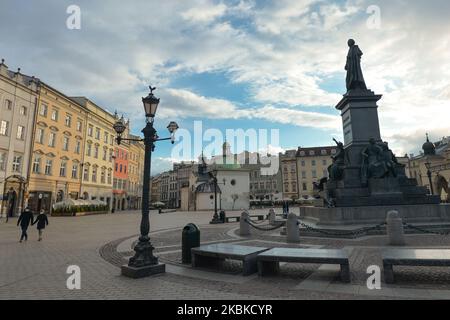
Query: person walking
42,222
25,219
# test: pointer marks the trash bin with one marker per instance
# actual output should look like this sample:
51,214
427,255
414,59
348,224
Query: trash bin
190,239
222,216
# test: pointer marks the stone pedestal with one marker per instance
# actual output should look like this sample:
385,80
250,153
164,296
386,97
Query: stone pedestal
292,229
394,229
371,215
244,227
272,216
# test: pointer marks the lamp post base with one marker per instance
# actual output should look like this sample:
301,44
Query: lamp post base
142,272
215,221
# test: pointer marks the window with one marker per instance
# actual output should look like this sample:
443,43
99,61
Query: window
20,132
17,163
89,149
111,140
305,187
37,165
311,153
68,120
286,187
96,152
79,125
54,116
109,177
66,144
23,111
314,174
94,174
313,162
51,139
294,187
111,155
120,168
62,169
86,173
323,152
324,162
102,176
77,146
303,174
97,133
90,130
48,167
4,128
303,163
125,169
43,110
105,153
3,158
40,135
8,104
105,138
75,171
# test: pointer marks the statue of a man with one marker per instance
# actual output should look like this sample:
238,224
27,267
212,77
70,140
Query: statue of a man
355,79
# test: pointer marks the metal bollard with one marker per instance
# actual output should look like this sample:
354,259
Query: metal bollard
394,229
244,227
292,229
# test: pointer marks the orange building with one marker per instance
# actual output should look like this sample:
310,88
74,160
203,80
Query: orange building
120,182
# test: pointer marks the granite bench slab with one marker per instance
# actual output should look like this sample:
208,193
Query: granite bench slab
214,254
413,257
269,261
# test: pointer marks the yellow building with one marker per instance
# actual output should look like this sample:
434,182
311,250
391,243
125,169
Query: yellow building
135,173
302,168
98,155
57,149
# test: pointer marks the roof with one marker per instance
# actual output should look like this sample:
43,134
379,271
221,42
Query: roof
207,187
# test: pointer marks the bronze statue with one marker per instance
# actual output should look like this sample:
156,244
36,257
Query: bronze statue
336,169
355,79
390,160
373,165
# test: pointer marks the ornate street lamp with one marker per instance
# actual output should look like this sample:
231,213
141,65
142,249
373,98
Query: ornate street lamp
213,179
428,166
144,263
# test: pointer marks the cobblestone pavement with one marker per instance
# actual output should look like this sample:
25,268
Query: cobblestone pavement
100,244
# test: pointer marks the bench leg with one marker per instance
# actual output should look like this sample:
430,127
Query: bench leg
345,273
268,268
388,273
203,261
249,266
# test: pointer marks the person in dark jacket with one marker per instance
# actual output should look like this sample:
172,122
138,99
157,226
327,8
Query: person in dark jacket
41,221
25,219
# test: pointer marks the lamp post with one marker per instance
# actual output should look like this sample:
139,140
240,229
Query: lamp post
216,218
428,166
144,263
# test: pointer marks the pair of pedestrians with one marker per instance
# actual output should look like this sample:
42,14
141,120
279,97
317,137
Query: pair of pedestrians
26,219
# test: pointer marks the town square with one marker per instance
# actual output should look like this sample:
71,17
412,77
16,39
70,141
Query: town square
233,151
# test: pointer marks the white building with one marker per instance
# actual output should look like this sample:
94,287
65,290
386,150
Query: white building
18,98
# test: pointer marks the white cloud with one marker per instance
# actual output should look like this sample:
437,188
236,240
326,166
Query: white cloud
206,12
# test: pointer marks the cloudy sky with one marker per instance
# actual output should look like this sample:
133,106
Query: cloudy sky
242,64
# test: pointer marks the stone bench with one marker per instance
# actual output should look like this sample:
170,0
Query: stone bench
259,217
269,261
413,257
213,255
